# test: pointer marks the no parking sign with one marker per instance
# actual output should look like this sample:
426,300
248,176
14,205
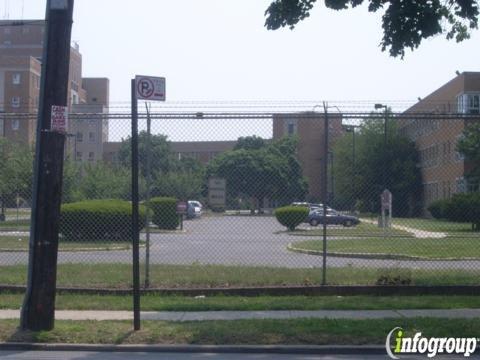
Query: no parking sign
150,88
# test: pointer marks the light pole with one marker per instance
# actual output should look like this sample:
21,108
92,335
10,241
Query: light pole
351,128
381,106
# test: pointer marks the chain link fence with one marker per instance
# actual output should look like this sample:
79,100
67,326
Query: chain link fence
400,190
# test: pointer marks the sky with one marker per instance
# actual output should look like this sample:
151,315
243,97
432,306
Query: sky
219,51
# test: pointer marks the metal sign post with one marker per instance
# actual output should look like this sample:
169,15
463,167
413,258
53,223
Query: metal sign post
145,88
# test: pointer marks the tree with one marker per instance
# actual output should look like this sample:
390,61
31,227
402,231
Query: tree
16,172
361,184
161,156
270,172
405,23
469,146
250,143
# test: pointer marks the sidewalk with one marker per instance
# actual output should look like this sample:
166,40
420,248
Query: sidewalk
243,315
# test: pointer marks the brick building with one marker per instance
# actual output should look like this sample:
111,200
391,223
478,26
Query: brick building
309,127
21,47
443,168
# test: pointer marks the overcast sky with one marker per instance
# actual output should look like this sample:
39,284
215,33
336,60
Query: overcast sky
219,50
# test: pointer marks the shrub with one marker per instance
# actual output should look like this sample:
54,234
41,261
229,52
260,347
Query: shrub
164,212
291,216
464,208
98,220
437,208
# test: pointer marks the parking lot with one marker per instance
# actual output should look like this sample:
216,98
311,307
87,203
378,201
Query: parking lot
233,240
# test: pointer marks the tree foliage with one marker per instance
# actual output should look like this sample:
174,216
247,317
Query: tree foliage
271,171
16,171
469,146
377,167
405,23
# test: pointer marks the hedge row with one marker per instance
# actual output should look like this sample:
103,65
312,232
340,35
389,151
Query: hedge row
93,220
463,208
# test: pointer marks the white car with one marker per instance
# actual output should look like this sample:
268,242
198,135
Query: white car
195,209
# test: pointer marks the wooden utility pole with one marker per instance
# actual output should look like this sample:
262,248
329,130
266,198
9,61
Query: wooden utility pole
38,311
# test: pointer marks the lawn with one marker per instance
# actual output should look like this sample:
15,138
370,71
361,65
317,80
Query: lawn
245,332
361,230
13,225
207,276
10,243
155,302
429,248
434,225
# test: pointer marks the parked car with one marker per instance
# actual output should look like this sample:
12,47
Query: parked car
312,206
315,218
194,209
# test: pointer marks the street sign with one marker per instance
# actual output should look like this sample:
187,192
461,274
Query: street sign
59,119
182,207
217,192
150,88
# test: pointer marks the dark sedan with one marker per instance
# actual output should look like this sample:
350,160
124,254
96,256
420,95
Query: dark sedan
316,218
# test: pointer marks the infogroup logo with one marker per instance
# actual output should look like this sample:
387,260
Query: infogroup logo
429,346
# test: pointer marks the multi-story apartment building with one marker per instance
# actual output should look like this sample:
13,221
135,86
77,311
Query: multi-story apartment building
21,47
309,127
443,168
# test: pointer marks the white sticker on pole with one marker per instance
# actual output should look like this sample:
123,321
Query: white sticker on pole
59,118
150,88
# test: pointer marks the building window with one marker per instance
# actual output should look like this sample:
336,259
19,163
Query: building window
7,30
7,42
15,124
468,103
91,156
91,137
25,30
16,101
16,79
79,136
78,156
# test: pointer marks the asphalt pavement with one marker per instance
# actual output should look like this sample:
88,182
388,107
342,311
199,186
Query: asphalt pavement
234,240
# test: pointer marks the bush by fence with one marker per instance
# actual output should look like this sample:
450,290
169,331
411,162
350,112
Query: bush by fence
164,212
97,220
291,216
460,208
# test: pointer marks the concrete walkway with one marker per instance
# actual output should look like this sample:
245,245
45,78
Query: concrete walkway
416,232
242,315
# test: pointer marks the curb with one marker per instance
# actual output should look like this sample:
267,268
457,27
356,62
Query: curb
320,290
378,256
244,349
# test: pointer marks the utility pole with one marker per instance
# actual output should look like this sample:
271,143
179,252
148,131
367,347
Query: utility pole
38,311
325,194
149,185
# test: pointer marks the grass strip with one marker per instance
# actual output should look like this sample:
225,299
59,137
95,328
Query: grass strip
361,230
261,332
21,242
153,302
429,248
207,276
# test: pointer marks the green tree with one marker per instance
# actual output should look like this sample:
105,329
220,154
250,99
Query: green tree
469,146
16,172
269,172
180,185
103,181
162,159
377,167
405,23
250,143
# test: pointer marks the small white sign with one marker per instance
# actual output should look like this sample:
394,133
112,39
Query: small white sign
150,88
59,119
